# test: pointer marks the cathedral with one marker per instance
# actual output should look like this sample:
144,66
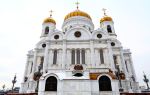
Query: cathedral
79,59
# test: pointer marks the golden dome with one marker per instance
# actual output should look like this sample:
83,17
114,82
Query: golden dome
49,20
77,13
106,18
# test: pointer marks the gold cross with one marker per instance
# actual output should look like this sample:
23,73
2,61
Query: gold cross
51,11
104,10
77,3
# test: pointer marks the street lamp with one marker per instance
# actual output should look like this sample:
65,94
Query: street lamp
37,76
146,81
3,87
132,79
119,78
13,82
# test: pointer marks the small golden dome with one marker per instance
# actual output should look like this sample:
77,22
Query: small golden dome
49,20
77,13
105,18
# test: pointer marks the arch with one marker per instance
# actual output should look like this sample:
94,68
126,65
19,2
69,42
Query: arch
104,84
51,84
99,31
46,30
109,29
59,33
55,57
81,29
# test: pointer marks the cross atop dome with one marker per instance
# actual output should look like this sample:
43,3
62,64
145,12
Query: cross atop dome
104,10
50,19
51,11
77,3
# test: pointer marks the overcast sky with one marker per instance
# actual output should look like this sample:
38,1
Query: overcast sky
21,22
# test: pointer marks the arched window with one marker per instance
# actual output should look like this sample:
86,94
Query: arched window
51,84
101,56
115,61
83,56
78,56
42,60
73,57
47,30
55,57
31,67
104,84
109,29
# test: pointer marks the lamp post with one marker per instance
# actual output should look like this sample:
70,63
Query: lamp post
3,87
13,82
132,80
146,81
118,76
37,76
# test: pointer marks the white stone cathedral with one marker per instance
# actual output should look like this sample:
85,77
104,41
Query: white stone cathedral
79,60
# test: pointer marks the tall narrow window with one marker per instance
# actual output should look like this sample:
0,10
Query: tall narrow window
104,84
101,56
78,56
55,57
115,61
109,29
31,67
73,57
51,84
42,60
47,30
126,66
83,56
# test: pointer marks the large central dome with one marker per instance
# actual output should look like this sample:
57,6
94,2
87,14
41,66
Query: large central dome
77,13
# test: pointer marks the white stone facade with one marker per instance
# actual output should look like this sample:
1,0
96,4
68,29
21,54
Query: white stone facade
97,53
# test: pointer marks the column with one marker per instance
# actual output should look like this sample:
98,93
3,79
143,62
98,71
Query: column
133,70
59,59
123,62
105,51
68,59
64,54
50,58
110,56
45,63
34,61
26,67
96,57
92,52
75,56
119,62
80,56
87,57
